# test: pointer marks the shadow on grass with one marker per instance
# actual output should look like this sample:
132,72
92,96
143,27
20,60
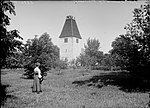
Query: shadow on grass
24,77
4,95
123,80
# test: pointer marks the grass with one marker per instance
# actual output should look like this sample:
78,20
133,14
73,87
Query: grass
123,80
70,89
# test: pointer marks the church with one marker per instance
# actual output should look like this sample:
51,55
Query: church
70,40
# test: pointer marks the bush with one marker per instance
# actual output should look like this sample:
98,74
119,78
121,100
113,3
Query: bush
61,64
29,70
30,65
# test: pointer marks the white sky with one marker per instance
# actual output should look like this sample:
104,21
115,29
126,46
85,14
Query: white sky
102,20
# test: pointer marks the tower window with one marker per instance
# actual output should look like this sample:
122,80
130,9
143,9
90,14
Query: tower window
77,40
66,40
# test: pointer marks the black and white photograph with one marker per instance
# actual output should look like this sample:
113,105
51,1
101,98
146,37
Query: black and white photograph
75,54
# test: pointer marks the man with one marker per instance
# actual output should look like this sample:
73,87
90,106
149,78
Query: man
37,76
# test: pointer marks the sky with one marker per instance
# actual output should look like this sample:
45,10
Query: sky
103,20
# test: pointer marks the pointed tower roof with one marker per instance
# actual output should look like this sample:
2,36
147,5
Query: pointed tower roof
70,28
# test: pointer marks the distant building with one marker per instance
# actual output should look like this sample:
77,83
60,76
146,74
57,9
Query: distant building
70,40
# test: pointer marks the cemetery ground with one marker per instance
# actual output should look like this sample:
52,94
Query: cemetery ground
73,89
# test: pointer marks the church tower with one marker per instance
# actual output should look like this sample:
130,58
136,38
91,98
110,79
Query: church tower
70,40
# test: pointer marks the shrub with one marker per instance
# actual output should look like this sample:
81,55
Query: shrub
29,69
61,64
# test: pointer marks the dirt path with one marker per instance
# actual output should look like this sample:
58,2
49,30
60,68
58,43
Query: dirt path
59,92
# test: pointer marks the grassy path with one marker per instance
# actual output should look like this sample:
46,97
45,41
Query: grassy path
59,92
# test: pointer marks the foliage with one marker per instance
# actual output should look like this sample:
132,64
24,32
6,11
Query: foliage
92,47
93,58
14,61
133,48
106,61
86,61
100,57
40,50
91,54
9,39
82,59
61,64
73,64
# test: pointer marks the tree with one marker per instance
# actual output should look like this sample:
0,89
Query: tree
14,61
88,61
133,48
92,47
123,50
106,61
40,50
9,42
91,55
99,56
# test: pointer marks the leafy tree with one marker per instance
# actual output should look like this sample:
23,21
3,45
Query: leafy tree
73,64
40,50
92,47
117,61
106,61
84,60
99,56
14,61
121,50
133,48
9,39
91,55
81,59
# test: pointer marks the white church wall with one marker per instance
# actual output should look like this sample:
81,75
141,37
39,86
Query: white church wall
76,47
71,49
66,49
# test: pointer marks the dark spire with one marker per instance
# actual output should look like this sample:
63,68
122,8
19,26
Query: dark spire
70,28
